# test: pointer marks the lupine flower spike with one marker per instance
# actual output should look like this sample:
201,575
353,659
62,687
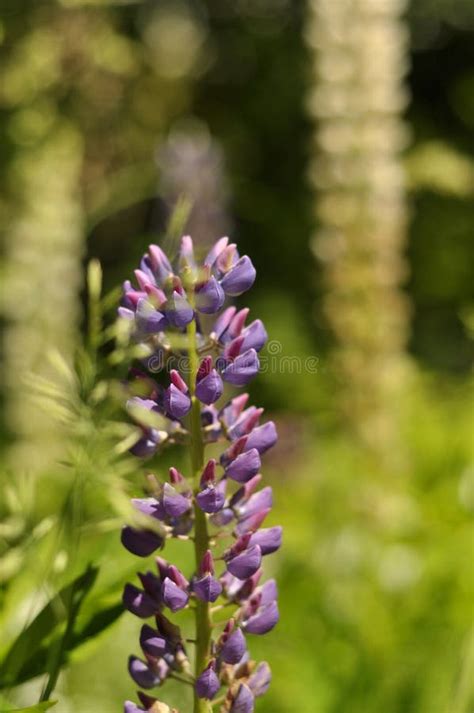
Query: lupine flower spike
217,506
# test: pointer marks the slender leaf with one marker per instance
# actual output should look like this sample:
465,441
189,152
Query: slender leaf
38,708
45,627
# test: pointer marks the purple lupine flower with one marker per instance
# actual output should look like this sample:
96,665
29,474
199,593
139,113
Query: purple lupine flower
243,561
260,679
209,386
260,612
209,296
176,399
244,701
246,563
150,705
206,586
174,590
222,498
140,542
244,466
268,539
232,644
143,542
240,370
211,496
151,642
262,438
239,278
139,602
149,673
207,684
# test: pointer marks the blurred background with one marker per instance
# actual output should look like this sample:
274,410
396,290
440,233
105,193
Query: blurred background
333,140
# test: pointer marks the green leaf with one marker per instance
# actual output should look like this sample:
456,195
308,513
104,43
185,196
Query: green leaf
32,709
97,624
44,627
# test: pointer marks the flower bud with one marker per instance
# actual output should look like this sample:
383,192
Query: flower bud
260,679
234,647
243,702
207,684
239,278
246,563
242,369
268,539
244,467
209,296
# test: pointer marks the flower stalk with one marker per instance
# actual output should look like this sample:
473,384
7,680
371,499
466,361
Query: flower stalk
219,506
201,536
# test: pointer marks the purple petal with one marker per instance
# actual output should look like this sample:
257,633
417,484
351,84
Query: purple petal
174,597
262,438
222,518
147,506
151,642
126,313
140,542
179,311
174,503
138,602
262,500
186,253
254,335
246,563
207,684
268,539
149,319
210,499
210,297
244,701
263,620
159,263
223,321
215,251
210,388
259,681
176,403
207,588
129,707
244,467
252,523
234,648
145,447
239,278
244,367
141,674
268,592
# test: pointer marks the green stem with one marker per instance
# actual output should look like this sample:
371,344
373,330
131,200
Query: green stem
201,536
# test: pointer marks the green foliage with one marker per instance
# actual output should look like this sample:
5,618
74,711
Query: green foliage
44,706
32,653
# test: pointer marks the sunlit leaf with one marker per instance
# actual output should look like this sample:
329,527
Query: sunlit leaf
44,706
43,628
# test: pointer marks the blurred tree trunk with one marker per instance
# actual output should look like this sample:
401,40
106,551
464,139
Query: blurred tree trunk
359,62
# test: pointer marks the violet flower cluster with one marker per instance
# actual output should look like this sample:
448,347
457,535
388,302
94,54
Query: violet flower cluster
218,506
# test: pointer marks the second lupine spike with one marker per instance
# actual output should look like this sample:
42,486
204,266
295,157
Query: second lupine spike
220,506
